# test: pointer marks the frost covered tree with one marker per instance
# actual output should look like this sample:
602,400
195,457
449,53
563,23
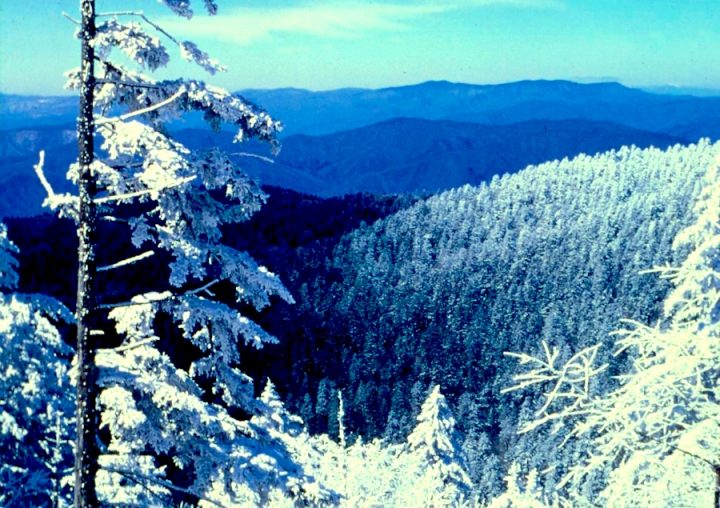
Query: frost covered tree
433,459
653,438
36,405
527,494
172,433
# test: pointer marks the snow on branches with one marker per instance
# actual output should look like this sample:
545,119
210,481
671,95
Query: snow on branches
131,39
35,406
182,7
8,263
171,433
654,438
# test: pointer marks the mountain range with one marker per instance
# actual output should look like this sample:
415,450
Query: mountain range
318,113
420,138
410,155
323,112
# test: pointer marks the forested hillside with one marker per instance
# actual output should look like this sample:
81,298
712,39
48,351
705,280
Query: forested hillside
437,292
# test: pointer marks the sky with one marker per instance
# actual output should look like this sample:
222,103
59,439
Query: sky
327,44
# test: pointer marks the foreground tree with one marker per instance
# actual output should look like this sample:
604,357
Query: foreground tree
86,450
172,436
654,438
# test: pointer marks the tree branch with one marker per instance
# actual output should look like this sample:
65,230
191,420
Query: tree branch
66,15
677,448
41,175
127,261
163,299
203,288
101,81
133,304
248,154
132,345
141,15
143,111
130,195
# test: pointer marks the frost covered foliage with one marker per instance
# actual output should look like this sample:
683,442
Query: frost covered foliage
171,434
655,438
433,458
427,470
437,292
521,492
36,405
8,263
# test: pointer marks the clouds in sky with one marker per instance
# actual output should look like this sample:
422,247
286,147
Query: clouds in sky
340,20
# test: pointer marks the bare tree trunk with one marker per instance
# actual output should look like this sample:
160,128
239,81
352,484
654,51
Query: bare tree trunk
86,447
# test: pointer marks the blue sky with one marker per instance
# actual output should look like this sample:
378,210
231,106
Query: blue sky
324,44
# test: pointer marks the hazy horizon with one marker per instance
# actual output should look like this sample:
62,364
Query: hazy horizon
657,88
326,45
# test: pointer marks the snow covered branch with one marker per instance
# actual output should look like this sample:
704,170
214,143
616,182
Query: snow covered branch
571,382
188,50
144,111
64,202
141,15
39,171
144,192
253,155
133,345
130,84
127,261
145,299
150,298
144,480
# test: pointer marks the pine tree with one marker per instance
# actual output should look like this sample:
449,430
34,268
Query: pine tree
517,494
171,434
434,457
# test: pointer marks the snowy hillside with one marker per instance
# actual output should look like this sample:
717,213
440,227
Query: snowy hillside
437,292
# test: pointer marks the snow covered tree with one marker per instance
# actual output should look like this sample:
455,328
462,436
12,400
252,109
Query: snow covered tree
273,415
516,495
653,438
433,458
172,436
36,405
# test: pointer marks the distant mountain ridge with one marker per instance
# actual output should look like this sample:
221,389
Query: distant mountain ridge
18,111
683,90
401,155
406,155
319,113
418,138
324,112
